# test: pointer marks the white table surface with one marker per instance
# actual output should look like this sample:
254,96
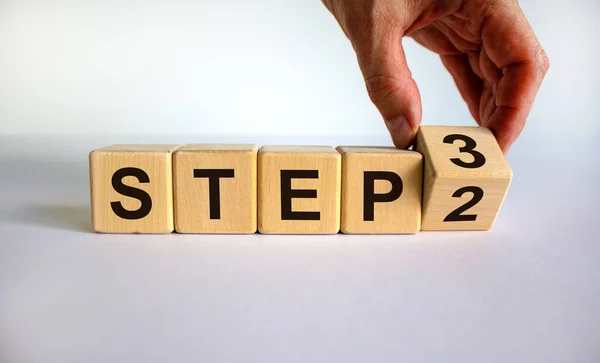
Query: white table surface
527,291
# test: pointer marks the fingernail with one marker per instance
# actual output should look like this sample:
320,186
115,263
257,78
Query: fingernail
401,131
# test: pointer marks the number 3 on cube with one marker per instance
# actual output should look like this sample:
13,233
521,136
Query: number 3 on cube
465,179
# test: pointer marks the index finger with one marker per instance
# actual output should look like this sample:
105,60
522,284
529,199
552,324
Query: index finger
512,46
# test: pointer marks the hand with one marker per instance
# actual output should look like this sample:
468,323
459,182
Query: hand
487,45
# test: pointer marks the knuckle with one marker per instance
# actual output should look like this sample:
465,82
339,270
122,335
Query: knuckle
381,87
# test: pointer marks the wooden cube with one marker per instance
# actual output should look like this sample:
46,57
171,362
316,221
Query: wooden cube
131,189
299,190
466,178
215,188
381,190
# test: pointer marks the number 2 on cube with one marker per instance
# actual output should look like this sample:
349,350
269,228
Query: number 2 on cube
478,161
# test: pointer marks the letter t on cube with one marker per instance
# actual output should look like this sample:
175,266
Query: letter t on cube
299,190
215,188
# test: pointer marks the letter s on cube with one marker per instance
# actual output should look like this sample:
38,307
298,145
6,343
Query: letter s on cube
131,189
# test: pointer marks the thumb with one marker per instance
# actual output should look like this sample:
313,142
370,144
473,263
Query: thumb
389,82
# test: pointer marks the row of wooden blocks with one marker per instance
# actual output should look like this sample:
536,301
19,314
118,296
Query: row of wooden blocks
456,179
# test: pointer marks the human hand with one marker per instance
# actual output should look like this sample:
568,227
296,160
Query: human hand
487,46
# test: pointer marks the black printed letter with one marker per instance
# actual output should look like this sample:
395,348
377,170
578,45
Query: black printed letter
370,198
214,191
287,193
142,196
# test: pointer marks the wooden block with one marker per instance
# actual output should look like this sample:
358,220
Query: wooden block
466,178
215,188
131,189
381,190
299,190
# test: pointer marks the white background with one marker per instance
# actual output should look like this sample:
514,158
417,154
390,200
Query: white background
77,75
265,67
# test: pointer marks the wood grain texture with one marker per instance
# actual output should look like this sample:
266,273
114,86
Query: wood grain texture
448,186
156,162
398,216
320,160
237,194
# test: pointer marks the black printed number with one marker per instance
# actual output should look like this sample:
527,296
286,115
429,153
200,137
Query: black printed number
456,215
470,145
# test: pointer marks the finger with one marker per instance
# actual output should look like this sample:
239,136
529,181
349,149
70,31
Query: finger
474,62
434,40
468,83
460,42
488,104
512,46
389,81
488,69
